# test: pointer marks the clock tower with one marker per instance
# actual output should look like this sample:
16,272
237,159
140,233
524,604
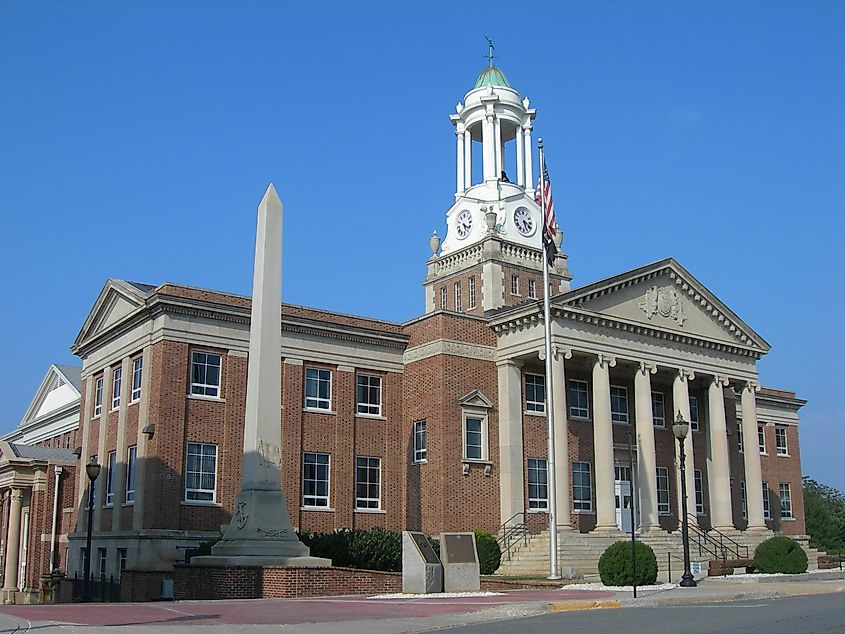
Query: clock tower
492,253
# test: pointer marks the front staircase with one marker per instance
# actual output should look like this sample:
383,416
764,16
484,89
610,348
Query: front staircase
528,555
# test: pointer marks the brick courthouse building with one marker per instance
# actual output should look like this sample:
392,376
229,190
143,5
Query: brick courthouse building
438,423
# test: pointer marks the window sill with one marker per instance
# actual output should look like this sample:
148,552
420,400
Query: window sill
476,461
659,425
783,455
787,519
371,511
127,504
580,419
580,512
317,410
371,416
323,509
763,453
135,401
532,511
199,503
108,506
423,461
617,422
114,409
203,397
538,414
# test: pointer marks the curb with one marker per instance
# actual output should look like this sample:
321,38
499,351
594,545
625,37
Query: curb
573,606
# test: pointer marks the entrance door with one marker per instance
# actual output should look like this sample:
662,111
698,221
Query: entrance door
624,498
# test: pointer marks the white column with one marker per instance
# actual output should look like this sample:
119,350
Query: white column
603,445
467,159
511,481
751,457
85,431
520,159
13,545
680,397
646,459
529,174
142,439
500,161
119,476
488,148
721,515
460,158
562,465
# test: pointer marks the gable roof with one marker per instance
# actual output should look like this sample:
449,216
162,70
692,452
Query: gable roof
117,300
58,377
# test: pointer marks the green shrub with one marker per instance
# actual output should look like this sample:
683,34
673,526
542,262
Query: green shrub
489,553
616,569
780,554
376,549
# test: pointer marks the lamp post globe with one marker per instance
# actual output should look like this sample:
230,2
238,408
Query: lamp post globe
680,428
92,470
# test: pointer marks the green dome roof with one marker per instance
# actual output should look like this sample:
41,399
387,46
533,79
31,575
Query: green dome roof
491,76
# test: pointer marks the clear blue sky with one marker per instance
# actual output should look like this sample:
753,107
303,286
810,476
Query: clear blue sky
136,140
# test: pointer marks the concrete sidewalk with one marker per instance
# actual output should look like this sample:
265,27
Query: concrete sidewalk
362,615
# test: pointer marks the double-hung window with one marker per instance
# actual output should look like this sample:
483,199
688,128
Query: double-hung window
475,437
98,396
582,487
514,285
663,491
116,383
761,438
699,492
458,306
201,472
780,441
579,406
315,479
368,395
535,393
767,509
318,388
693,413
205,374
785,501
110,478
367,482
443,295
131,455
538,484
658,409
137,372
471,293
420,441
532,289
618,404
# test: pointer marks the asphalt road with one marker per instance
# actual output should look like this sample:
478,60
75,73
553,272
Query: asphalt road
790,615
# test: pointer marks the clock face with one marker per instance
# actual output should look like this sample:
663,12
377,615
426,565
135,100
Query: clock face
523,221
463,224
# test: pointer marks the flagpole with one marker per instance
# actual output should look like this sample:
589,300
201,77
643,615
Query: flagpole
550,410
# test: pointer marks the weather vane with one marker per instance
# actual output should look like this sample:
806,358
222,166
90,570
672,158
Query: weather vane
490,49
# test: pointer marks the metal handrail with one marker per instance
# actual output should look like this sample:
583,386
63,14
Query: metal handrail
718,548
511,533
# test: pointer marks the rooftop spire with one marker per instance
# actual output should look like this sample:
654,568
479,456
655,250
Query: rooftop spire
490,49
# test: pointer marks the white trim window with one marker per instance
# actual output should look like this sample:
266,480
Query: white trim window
367,483
532,289
538,484
201,472
582,487
458,306
131,457
761,438
535,393
444,294
693,414
699,491
663,491
471,293
579,399
658,409
785,501
619,404
137,374
475,436
116,383
368,391
110,478
98,396
740,443
780,441
514,285
744,500
318,388
420,441
767,509
315,479
205,373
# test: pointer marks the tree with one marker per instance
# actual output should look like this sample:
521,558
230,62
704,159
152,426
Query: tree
824,512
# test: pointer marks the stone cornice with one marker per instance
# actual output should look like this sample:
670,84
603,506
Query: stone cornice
451,348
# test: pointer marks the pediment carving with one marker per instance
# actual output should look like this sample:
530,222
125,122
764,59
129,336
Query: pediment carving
476,398
664,302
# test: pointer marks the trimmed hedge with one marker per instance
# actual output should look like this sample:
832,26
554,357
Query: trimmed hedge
780,554
489,553
376,549
616,567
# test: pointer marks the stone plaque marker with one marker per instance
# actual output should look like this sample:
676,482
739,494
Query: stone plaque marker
422,572
461,572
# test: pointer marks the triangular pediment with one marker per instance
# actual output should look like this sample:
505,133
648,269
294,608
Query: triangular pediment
116,301
58,389
665,296
476,398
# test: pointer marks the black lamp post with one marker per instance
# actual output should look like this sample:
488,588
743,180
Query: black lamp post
681,428
92,469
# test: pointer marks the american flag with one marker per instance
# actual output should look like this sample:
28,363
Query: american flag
549,231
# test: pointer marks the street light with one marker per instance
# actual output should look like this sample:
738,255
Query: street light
681,428
92,469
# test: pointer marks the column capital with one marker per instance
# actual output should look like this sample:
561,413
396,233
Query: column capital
17,494
685,374
721,380
561,352
751,386
506,362
646,367
460,128
605,360
527,127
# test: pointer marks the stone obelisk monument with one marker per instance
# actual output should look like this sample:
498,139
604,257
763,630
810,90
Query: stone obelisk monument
260,532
